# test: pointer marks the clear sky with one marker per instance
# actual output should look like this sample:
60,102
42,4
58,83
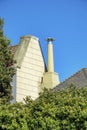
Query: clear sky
65,20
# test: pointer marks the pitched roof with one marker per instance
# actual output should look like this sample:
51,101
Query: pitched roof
79,79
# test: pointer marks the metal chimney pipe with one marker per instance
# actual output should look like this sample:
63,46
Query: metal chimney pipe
50,54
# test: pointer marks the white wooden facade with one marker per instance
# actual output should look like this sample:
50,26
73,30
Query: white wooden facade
30,68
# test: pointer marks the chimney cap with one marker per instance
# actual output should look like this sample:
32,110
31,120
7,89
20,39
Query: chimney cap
50,39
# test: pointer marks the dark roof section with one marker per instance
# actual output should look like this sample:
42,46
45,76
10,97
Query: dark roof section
13,49
79,79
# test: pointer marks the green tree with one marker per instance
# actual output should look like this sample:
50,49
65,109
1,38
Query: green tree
13,117
6,67
62,110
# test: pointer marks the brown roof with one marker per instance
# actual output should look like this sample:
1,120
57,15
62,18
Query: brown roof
13,49
79,79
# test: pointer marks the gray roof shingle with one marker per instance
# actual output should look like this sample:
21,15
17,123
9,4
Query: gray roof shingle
79,79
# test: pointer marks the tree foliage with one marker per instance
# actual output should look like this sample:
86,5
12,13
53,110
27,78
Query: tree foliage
62,110
6,69
13,117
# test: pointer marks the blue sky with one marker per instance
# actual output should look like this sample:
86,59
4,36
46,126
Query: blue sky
65,20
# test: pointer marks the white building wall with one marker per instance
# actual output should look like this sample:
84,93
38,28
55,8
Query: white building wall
31,71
